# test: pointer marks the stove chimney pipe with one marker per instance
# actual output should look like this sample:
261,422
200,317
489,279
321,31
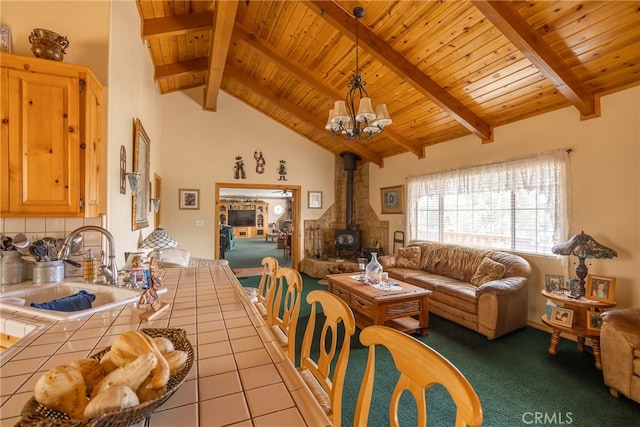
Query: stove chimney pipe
350,160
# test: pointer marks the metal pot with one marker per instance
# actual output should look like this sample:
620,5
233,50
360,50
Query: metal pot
44,272
48,45
12,269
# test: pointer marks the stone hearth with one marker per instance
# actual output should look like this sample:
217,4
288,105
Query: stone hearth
334,218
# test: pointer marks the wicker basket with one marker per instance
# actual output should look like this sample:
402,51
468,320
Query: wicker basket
34,414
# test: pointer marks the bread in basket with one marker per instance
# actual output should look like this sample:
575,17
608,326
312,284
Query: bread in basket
34,414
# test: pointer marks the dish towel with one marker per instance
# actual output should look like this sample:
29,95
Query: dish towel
80,301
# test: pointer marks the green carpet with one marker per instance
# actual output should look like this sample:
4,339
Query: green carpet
249,253
518,382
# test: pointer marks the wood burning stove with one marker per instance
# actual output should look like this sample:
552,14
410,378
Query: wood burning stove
348,241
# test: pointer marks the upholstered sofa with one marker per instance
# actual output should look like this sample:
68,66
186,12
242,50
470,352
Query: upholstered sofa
620,351
180,258
483,290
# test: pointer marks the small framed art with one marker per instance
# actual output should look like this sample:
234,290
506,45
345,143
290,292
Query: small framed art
601,288
392,200
553,282
189,199
314,199
594,320
562,317
5,39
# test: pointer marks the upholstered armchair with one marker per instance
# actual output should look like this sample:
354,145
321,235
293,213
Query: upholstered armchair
620,351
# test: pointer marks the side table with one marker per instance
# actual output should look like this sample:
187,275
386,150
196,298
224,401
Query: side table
579,328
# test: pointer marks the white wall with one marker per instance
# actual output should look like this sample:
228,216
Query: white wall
199,149
132,94
605,164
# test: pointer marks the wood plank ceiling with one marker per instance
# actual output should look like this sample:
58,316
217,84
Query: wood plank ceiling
445,69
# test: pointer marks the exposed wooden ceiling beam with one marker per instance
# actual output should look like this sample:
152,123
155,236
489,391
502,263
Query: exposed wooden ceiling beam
536,50
303,75
175,25
294,110
225,16
335,15
178,69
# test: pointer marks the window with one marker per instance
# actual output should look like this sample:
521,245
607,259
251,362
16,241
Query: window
517,205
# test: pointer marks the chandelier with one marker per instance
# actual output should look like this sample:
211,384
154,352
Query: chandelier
343,119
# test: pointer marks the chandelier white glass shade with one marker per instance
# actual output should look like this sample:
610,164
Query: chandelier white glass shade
362,123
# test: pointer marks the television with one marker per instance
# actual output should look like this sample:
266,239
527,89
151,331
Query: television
242,218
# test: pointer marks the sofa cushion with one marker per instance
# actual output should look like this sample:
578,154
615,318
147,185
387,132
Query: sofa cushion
487,271
387,261
455,261
409,257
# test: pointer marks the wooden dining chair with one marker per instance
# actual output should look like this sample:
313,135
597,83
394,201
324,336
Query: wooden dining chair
420,368
266,287
286,310
316,373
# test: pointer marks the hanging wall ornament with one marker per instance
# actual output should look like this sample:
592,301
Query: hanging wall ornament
239,168
282,170
260,162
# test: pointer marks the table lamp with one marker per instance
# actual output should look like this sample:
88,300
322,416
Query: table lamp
159,239
583,246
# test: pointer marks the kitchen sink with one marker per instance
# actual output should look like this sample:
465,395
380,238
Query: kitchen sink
107,297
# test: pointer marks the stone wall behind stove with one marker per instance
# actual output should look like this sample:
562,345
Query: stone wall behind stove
335,217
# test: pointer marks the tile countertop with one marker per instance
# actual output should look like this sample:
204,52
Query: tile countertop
240,375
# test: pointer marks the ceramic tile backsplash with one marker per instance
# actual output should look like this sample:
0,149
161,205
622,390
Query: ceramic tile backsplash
41,227
37,228
36,225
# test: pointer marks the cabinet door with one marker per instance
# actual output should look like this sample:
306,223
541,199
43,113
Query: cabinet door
90,145
44,170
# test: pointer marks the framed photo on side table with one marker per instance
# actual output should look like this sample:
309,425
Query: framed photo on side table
562,317
601,288
553,282
189,199
594,321
392,200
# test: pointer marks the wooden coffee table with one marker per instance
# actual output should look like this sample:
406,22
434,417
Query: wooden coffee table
394,308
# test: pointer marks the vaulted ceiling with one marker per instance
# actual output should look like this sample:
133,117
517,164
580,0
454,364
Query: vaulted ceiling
445,69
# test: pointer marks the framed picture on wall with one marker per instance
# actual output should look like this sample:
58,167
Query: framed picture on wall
314,199
392,200
189,199
141,147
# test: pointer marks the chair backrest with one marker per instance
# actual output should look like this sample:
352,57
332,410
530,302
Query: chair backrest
335,311
420,368
286,306
266,287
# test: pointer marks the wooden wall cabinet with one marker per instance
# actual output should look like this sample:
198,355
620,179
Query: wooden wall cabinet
50,139
259,229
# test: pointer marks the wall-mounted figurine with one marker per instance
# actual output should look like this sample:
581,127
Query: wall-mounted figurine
239,168
282,170
260,162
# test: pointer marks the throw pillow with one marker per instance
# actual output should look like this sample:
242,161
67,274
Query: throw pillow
487,271
387,261
409,257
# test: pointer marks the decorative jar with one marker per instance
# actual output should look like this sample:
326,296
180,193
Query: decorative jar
48,45
373,270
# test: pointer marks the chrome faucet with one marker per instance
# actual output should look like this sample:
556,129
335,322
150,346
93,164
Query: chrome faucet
109,271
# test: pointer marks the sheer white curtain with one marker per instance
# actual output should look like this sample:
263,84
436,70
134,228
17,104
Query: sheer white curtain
545,173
